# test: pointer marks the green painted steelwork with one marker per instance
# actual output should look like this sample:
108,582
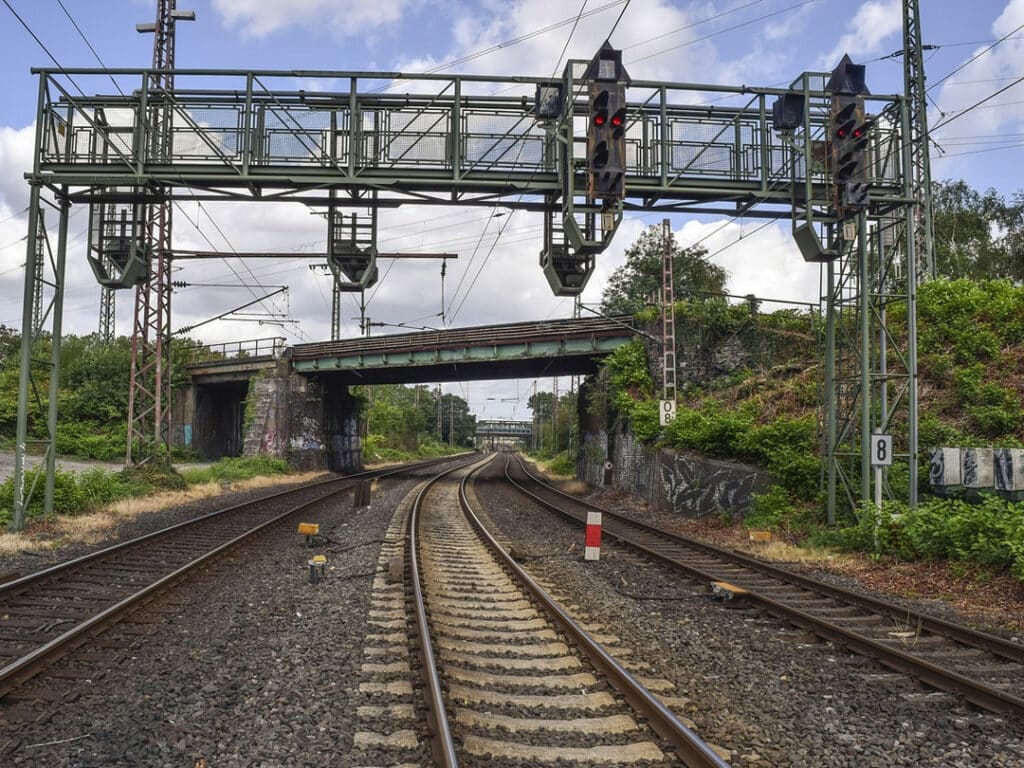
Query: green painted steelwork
480,353
269,135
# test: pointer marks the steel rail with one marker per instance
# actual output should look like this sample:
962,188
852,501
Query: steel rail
690,748
992,643
8,587
25,667
980,693
443,745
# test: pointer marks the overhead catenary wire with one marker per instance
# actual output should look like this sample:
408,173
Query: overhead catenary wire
452,315
974,58
724,31
976,104
85,39
40,43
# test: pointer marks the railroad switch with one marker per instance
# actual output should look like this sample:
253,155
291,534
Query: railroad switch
317,569
311,531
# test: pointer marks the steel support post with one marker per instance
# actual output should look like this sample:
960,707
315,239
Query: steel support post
108,304
55,347
335,311
911,277
864,287
830,392
25,358
918,169
32,321
37,300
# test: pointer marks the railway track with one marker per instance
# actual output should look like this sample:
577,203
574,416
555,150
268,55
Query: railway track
46,615
984,669
510,677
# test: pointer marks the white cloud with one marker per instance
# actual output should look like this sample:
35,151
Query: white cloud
343,18
764,262
870,30
15,159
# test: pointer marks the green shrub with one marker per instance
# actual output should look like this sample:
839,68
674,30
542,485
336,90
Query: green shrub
563,465
990,533
237,468
769,509
72,494
91,441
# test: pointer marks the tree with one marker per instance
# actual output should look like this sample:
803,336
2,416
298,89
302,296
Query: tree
977,236
550,436
638,280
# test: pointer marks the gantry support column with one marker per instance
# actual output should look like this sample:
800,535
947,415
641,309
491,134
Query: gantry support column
33,321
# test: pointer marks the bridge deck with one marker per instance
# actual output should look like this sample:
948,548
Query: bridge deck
554,347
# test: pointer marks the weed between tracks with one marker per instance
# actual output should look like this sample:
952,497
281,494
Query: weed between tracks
95,527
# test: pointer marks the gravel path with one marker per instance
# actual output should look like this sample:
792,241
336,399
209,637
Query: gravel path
256,668
76,465
767,691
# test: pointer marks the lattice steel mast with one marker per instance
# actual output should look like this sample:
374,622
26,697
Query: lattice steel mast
668,314
108,311
920,170
149,394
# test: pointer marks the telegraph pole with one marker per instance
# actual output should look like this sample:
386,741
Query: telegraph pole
149,394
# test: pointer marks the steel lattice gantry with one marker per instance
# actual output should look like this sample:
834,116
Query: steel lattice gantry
348,140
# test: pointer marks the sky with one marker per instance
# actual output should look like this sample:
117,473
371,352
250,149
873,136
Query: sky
735,42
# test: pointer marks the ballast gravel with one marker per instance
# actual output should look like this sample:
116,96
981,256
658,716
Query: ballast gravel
757,686
256,667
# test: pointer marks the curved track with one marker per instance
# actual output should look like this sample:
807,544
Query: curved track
47,614
985,669
510,676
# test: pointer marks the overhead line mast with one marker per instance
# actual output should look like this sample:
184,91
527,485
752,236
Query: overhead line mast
149,398
920,163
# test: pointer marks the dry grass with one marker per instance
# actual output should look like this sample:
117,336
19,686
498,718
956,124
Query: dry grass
783,552
94,527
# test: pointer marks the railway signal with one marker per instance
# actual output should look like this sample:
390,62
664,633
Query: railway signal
850,131
606,127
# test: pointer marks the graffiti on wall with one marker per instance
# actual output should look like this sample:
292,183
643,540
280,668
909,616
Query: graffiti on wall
697,487
308,437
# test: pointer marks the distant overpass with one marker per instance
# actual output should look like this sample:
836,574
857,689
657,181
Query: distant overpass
509,351
501,433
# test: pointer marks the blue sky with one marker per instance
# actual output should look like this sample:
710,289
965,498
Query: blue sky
753,42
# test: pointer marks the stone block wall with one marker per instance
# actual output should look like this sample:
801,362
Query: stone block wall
685,483
308,422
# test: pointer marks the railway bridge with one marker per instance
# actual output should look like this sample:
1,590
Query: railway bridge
295,403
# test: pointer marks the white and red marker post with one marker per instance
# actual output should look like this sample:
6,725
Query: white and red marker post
592,542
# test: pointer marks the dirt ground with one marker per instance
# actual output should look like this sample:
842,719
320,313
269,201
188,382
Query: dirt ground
986,597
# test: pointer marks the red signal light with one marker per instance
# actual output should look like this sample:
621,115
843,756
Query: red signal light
617,120
599,119
858,133
841,133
